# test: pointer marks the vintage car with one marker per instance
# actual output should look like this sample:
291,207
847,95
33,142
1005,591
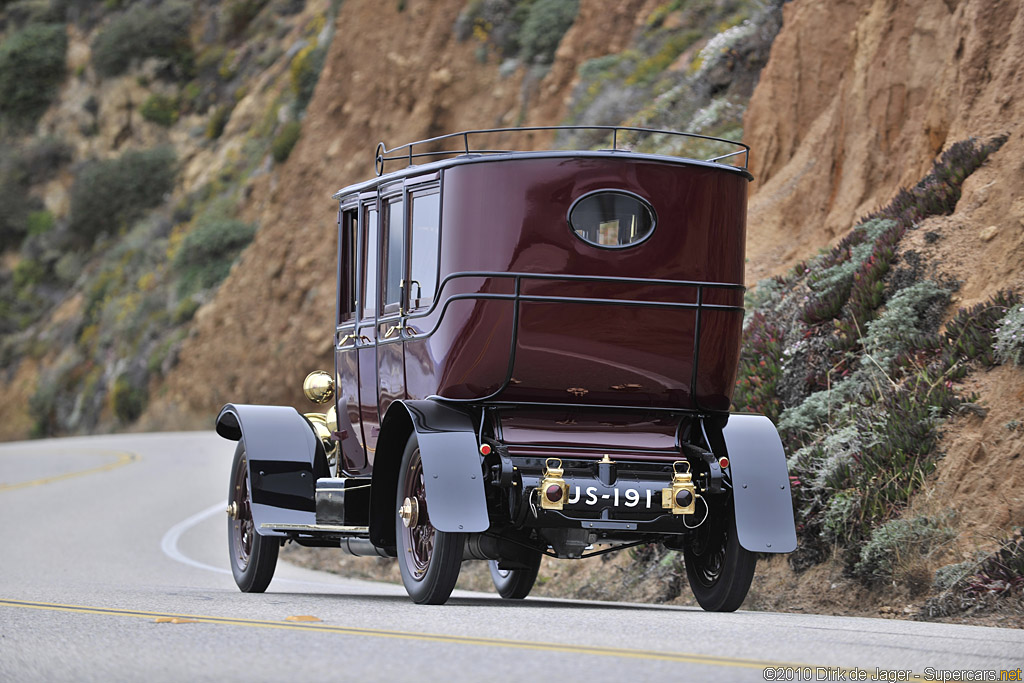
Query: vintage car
535,353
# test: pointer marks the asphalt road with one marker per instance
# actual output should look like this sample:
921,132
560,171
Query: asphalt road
113,566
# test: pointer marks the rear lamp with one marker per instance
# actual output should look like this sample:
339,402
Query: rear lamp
554,493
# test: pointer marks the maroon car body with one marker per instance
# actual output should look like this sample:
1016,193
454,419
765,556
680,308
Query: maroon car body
572,319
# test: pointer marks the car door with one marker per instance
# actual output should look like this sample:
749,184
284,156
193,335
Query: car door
390,346
346,354
366,324
423,235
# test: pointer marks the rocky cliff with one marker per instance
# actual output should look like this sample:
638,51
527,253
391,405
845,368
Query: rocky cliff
857,101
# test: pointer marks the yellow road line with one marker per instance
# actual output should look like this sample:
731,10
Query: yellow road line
707,660
123,458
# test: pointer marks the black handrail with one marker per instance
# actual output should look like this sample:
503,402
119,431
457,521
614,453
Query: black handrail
517,297
410,155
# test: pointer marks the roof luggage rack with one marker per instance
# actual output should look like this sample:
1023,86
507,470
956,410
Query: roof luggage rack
409,153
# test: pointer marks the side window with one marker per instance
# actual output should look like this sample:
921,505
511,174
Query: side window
425,218
393,271
347,266
370,257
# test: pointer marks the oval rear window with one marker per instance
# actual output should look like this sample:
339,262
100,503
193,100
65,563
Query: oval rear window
612,218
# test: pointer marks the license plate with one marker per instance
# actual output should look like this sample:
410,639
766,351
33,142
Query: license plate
615,497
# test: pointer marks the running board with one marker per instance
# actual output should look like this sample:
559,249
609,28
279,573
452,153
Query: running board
319,528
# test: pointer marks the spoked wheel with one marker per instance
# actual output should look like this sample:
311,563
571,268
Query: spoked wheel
430,560
515,584
253,557
718,568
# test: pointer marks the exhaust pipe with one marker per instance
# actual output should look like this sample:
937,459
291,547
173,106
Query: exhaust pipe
361,547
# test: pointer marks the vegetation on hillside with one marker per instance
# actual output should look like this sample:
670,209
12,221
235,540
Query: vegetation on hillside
848,353
692,67
146,31
115,219
520,31
31,68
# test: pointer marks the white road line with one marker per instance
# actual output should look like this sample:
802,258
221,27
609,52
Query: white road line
169,545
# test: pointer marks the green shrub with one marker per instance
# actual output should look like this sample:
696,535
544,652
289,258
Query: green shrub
949,575
110,195
841,516
305,72
28,273
237,14
128,398
939,191
760,367
16,205
56,393
160,109
543,28
830,406
654,65
23,12
973,333
1009,346
219,119
207,252
832,277
909,315
895,542
184,311
144,31
21,213
32,64
40,222
285,140
1002,572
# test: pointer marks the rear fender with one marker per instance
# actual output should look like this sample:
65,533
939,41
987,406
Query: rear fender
281,452
451,467
760,480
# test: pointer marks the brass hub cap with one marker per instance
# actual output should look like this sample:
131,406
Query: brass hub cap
243,530
417,533
409,512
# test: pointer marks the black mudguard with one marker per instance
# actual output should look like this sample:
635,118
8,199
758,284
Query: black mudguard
280,450
451,466
760,480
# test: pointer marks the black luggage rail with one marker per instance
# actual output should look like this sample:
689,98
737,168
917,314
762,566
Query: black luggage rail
411,155
517,297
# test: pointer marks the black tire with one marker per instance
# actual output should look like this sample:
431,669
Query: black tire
253,557
515,584
429,559
718,568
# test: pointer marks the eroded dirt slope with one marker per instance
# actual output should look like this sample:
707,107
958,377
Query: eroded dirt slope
856,101
859,97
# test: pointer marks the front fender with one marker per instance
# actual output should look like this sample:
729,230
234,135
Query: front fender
451,467
760,480
280,451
